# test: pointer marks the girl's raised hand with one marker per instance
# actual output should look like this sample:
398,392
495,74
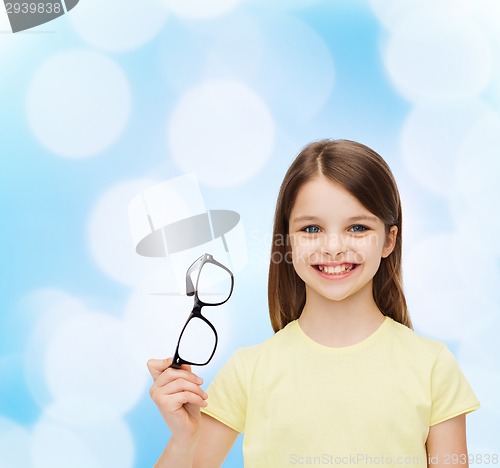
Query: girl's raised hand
178,396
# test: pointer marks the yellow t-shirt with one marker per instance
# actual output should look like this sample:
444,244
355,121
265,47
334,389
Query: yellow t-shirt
302,403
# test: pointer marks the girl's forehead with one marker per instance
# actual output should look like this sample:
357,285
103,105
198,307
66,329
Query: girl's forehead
324,198
320,191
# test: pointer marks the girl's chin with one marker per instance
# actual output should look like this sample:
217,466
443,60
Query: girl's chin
325,295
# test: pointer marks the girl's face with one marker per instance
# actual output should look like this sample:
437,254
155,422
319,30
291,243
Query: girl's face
337,244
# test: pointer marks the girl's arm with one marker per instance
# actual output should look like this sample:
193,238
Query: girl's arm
215,442
197,440
446,444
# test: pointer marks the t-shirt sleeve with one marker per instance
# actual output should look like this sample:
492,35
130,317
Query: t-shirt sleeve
451,393
227,394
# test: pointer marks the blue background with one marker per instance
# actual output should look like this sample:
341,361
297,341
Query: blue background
91,107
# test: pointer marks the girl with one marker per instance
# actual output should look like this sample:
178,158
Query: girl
345,380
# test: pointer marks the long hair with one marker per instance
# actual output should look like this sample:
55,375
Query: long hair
363,173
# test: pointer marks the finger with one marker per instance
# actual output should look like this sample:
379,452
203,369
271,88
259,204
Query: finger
157,366
181,385
180,399
171,374
186,367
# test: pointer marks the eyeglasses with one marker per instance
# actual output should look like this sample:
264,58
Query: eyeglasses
212,286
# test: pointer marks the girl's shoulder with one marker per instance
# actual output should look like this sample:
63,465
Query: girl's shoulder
413,341
280,340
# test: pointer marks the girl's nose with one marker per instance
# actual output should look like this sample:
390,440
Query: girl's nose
334,245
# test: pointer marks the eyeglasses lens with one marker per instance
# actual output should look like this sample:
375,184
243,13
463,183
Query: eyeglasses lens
214,284
197,343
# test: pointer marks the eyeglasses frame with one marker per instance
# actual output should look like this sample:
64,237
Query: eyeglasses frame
192,290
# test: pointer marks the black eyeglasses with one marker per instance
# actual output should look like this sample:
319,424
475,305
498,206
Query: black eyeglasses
213,286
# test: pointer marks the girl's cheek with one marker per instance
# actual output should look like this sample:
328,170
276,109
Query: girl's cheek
359,257
365,242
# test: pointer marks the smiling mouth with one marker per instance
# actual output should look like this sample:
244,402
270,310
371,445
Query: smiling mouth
337,270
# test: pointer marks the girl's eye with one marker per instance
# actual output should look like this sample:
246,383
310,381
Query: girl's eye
311,229
358,228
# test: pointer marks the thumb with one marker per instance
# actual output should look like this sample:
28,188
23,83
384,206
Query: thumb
157,366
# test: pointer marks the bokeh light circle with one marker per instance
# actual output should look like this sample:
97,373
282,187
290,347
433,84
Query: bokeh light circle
232,50
480,357
284,5
297,72
431,138
451,61
223,131
200,9
57,445
78,103
477,172
109,235
118,25
46,310
392,12
104,351
441,290
487,14
15,444
474,200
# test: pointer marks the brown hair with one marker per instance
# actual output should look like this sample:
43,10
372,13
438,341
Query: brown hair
363,173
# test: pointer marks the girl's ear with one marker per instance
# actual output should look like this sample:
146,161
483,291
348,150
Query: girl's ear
390,241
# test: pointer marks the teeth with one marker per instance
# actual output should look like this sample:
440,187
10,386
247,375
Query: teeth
335,270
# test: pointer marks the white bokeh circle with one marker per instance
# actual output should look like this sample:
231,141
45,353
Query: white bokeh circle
296,73
281,5
95,357
57,445
486,385
431,138
392,12
487,14
476,226
452,256
223,131
451,61
483,347
15,444
477,172
200,9
447,300
235,49
474,200
46,310
480,358
78,103
118,25
109,235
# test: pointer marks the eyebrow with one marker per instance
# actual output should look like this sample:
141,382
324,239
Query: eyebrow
351,219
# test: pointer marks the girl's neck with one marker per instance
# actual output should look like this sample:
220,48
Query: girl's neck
340,323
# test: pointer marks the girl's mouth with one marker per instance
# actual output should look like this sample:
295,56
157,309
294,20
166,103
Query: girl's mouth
337,272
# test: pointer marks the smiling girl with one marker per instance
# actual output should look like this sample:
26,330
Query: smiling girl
345,380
